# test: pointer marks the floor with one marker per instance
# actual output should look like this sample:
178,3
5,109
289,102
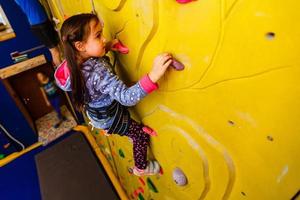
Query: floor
19,178
45,126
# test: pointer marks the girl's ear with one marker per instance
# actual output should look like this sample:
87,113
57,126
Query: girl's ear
79,46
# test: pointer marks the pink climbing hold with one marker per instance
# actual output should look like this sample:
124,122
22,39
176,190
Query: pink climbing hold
149,131
184,1
177,65
121,48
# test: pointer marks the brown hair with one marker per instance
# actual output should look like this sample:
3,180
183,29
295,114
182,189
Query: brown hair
76,28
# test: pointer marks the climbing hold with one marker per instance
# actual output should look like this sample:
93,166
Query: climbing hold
113,153
135,193
177,65
96,132
109,157
140,189
179,177
121,153
230,122
6,145
104,132
161,172
184,1
151,185
270,138
131,195
121,48
130,170
2,156
270,35
149,131
142,181
141,197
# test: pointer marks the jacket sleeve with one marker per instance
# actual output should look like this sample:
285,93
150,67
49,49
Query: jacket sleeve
102,80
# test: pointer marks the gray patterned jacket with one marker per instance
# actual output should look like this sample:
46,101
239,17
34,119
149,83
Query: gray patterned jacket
103,87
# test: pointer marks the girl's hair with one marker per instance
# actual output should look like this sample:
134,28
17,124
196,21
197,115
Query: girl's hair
76,28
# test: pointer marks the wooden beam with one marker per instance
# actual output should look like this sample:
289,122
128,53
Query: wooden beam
22,66
7,36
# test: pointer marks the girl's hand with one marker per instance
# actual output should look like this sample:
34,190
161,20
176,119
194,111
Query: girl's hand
160,65
110,44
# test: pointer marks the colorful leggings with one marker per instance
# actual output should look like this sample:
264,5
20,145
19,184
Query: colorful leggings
140,141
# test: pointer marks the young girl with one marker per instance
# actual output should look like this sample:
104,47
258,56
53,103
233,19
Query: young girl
87,72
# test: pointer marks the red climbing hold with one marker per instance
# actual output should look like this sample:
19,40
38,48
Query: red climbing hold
121,48
149,131
161,172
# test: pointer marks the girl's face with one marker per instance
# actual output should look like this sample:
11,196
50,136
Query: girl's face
95,43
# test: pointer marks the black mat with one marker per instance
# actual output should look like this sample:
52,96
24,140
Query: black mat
70,171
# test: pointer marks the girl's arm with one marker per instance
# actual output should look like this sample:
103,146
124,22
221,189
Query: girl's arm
102,80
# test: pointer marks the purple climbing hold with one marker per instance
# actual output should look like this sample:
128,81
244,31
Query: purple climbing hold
179,177
177,65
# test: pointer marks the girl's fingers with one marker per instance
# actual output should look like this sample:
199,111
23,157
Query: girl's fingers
163,55
166,58
167,64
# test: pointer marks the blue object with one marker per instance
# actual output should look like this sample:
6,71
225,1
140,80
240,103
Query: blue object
6,146
55,102
34,11
19,179
14,121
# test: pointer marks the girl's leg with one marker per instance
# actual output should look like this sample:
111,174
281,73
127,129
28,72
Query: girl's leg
140,143
55,102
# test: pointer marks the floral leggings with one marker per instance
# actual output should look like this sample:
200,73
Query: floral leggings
140,141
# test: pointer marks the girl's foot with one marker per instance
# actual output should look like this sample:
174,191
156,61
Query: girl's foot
59,122
151,169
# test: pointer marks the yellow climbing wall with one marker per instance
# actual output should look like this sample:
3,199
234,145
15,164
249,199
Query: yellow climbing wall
230,120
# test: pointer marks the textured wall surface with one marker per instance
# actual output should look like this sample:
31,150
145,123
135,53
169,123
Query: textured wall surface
230,120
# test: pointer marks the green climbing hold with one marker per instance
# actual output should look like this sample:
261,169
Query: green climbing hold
141,197
151,185
2,156
96,132
121,153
